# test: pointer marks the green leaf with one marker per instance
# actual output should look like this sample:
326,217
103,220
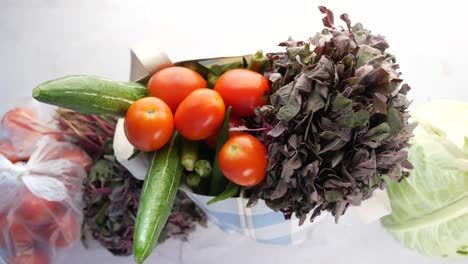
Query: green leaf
348,61
292,108
258,62
379,132
101,171
354,119
230,66
336,158
314,102
339,102
365,54
333,196
216,70
196,66
364,58
212,79
217,179
329,135
231,190
394,120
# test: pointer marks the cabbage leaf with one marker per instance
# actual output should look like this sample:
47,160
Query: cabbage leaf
430,207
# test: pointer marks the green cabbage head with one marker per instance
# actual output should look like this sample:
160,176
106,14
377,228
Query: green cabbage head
430,207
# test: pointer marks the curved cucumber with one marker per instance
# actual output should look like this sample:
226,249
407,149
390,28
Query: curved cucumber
90,95
157,198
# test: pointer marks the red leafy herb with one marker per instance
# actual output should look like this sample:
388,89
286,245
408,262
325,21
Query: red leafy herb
337,122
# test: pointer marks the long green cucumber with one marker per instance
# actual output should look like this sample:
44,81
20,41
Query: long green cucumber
157,198
90,95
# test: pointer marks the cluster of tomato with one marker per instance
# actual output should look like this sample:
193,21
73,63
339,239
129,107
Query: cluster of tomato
36,228
32,229
180,100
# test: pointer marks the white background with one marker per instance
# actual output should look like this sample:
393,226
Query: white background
45,39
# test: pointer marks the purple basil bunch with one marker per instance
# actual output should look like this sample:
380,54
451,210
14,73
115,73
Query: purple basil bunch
337,122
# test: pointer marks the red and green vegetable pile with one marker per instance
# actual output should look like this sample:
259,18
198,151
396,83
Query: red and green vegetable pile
111,193
314,128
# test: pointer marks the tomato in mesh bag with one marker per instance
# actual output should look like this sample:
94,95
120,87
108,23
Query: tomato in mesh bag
64,231
41,202
34,210
23,127
7,149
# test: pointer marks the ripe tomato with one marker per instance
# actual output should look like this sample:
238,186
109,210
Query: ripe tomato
149,124
7,150
33,210
200,115
22,126
20,236
243,90
233,122
31,256
77,156
173,84
64,231
243,160
19,118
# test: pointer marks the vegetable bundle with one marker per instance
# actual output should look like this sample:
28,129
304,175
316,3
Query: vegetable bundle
337,121
111,194
314,128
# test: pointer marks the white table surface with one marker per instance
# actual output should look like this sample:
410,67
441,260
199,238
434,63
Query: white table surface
45,39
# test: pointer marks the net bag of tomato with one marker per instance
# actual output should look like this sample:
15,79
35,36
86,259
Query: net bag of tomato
41,203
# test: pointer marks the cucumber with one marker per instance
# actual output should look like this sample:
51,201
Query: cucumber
90,95
157,198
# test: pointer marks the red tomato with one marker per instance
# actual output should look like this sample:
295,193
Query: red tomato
20,117
77,156
34,210
200,115
64,231
31,256
244,90
243,160
173,84
20,236
233,122
7,150
23,127
149,124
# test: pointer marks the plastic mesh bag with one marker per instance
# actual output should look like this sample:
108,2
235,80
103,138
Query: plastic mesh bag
20,128
41,202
